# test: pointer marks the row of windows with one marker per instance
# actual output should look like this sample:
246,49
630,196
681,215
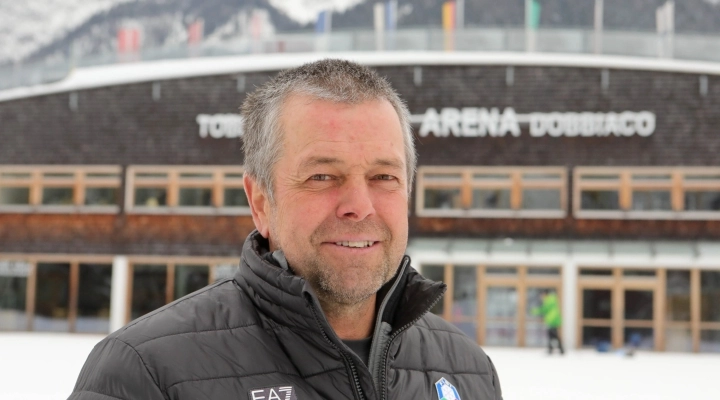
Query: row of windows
149,189
74,295
491,192
598,192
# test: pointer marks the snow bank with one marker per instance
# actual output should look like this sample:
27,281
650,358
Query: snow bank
43,366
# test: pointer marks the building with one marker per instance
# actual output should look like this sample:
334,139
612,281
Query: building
597,177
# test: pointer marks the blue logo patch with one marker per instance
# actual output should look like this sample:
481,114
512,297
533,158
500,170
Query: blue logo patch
446,391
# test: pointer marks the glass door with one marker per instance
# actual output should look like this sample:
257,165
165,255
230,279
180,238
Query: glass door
639,314
535,330
465,299
619,308
501,316
52,298
596,321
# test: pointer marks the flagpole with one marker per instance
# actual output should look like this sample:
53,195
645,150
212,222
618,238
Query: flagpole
599,16
379,22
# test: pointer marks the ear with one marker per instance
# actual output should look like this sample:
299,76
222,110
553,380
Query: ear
259,205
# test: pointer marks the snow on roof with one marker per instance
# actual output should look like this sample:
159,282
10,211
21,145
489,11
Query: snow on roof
120,74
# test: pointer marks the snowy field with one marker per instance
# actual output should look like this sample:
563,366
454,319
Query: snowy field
36,366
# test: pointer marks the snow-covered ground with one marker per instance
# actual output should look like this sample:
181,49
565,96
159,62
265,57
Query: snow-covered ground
36,366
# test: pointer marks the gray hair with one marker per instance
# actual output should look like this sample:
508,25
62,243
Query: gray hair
338,81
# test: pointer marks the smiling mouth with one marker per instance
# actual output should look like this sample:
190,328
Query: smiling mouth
358,244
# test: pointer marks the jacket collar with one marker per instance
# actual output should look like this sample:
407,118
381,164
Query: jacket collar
289,299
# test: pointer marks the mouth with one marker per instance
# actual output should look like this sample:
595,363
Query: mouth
359,244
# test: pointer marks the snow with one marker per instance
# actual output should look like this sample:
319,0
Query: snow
119,74
305,11
25,26
43,366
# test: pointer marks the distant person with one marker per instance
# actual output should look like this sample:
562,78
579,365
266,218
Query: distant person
550,311
325,304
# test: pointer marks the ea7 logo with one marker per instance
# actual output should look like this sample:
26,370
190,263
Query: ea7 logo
273,393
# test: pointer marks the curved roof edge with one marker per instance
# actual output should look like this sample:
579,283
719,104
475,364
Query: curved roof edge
148,71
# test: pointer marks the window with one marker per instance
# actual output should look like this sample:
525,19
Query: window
187,190
60,189
157,281
655,193
500,192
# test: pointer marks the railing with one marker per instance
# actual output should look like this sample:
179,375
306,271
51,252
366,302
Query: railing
577,41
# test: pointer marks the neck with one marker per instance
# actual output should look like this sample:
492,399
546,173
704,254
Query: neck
351,322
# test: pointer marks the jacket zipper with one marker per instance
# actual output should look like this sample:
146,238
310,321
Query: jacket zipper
386,353
348,361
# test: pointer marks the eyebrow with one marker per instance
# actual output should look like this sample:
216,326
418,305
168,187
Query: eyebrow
315,161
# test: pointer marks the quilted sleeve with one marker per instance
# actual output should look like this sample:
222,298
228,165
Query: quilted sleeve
114,370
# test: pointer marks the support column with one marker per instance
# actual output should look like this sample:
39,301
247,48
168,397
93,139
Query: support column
569,304
118,293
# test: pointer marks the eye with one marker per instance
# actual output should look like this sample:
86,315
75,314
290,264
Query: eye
384,177
320,177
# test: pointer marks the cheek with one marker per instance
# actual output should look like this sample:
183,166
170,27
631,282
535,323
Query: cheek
303,212
394,210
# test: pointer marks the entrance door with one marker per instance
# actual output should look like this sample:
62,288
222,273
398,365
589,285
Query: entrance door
501,318
508,297
535,331
619,308
639,313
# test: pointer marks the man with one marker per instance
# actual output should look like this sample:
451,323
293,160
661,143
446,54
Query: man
550,311
324,305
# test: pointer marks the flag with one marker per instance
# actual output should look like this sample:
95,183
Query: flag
196,31
324,22
532,14
391,15
448,16
128,40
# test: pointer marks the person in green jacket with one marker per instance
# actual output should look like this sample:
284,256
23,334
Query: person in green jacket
550,311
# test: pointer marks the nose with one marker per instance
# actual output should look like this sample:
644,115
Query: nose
355,200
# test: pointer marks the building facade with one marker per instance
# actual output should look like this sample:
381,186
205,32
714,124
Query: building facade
595,177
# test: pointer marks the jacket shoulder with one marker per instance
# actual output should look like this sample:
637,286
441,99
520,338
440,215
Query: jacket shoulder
218,307
205,333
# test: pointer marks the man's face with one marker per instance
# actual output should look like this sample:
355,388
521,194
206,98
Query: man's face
340,211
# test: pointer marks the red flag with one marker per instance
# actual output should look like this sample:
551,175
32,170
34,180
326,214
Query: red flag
196,31
128,40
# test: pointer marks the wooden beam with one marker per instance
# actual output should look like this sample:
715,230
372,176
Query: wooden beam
516,191
79,188
695,289
74,294
482,301
173,189
449,281
466,190
579,316
676,194
170,284
521,288
618,309
659,311
625,191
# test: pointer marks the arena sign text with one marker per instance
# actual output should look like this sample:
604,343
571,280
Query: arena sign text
481,122
218,126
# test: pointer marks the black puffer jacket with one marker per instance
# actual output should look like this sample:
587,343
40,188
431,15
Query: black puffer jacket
263,336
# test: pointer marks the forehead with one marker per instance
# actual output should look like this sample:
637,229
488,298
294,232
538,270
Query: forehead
311,126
